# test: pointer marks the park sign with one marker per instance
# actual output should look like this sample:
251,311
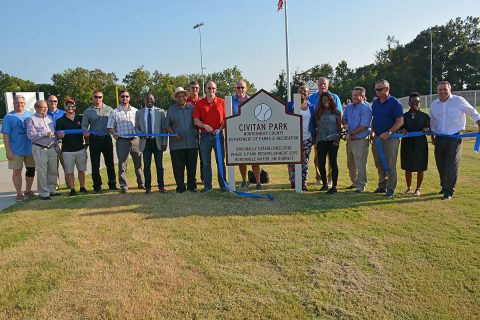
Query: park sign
263,133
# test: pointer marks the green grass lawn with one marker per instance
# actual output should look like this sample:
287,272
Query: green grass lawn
215,255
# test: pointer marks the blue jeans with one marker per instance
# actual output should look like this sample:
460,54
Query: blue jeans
207,143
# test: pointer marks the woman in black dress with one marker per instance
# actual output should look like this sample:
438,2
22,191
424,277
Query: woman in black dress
414,150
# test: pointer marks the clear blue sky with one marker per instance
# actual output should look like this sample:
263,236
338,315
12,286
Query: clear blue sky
45,37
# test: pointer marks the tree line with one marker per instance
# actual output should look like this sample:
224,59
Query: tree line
456,58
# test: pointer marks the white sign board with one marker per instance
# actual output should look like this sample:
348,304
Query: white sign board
30,99
263,133
312,86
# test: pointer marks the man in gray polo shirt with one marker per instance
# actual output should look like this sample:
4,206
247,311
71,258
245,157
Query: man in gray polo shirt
95,118
183,147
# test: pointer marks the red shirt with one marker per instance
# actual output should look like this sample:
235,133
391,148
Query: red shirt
212,114
193,102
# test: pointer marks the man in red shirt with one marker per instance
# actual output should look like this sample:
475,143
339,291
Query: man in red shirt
209,117
194,96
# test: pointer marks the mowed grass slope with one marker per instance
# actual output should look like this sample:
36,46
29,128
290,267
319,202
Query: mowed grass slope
301,256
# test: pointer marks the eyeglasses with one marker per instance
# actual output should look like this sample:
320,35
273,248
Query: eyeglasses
124,97
379,89
211,88
54,101
98,97
240,87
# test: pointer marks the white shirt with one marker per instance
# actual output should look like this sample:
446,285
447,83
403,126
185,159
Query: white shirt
305,123
450,117
146,117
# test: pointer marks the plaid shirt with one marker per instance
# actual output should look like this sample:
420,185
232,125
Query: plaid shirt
122,121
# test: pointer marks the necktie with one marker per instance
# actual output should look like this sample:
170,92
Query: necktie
149,121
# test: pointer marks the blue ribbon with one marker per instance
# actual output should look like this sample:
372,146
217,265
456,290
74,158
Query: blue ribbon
381,153
77,131
222,175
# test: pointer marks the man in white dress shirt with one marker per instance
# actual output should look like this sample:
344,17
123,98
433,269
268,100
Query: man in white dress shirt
448,116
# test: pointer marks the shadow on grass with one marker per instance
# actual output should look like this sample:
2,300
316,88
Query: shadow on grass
216,203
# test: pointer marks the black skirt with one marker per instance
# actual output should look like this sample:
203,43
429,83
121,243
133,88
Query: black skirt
414,150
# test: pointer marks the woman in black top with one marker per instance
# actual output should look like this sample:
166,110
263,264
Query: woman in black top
414,150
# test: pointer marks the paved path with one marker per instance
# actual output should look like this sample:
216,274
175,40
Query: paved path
8,193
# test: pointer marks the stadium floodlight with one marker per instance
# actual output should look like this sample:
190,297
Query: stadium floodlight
199,27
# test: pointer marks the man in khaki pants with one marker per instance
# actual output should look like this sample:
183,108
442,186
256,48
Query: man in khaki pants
357,119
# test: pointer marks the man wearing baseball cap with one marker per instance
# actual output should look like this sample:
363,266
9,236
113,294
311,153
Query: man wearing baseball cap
73,150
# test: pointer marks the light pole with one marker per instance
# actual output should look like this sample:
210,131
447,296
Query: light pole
431,63
198,26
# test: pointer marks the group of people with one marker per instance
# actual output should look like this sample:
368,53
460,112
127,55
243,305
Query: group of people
324,125
41,141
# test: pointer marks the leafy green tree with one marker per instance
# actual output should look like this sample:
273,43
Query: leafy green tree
79,83
280,89
226,80
138,83
10,83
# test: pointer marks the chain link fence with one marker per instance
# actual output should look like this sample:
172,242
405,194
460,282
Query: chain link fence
472,96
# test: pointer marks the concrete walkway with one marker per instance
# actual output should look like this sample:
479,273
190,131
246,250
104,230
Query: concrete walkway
8,193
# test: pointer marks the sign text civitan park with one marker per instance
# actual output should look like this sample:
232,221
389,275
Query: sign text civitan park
263,133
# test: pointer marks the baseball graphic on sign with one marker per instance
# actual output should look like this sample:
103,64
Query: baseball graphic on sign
263,112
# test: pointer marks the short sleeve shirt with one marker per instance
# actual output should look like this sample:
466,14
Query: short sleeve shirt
15,125
181,122
385,114
71,142
212,113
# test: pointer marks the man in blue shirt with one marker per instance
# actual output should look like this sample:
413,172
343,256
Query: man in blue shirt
239,98
356,120
387,114
55,114
323,84
18,147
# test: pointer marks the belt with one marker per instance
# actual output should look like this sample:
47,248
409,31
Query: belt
41,146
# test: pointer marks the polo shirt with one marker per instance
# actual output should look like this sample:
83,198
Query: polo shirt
15,125
212,113
55,115
181,122
385,114
193,102
96,119
70,142
236,103
313,99
356,116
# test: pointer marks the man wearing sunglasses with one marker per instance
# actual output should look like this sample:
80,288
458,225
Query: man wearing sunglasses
55,113
209,116
95,118
239,98
387,118
73,150
121,124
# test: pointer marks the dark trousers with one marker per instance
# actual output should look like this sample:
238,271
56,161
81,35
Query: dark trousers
102,145
151,148
184,159
447,157
207,143
325,148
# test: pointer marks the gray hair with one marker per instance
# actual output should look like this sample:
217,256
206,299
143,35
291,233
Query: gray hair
18,96
384,82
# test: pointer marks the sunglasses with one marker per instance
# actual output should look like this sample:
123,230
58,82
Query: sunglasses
124,97
98,97
70,106
379,89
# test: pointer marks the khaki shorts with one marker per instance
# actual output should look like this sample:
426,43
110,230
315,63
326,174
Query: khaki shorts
18,161
72,159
